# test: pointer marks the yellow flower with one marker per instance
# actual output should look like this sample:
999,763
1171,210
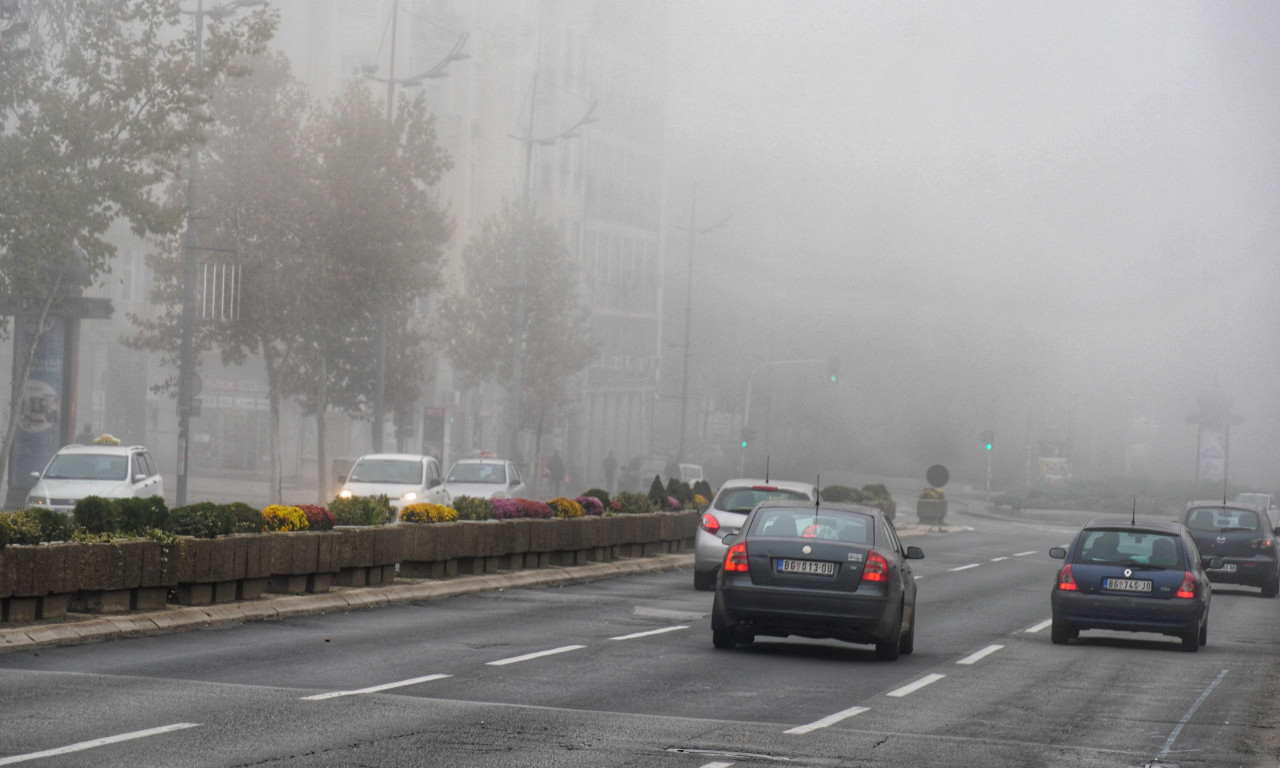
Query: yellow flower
278,517
428,513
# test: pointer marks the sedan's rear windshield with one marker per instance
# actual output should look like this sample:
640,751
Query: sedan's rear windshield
88,466
745,499
399,471
1220,519
804,523
1130,548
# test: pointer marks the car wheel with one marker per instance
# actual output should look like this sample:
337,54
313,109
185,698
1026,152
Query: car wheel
1191,641
908,642
723,638
1204,632
1271,587
1060,633
890,648
704,581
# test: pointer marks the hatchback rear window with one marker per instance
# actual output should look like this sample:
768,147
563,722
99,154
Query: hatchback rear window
745,499
803,523
1132,548
1219,519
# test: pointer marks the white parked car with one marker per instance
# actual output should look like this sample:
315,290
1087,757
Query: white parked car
485,479
404,478
109,471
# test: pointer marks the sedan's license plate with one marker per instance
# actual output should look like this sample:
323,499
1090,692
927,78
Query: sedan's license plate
1128,585
811,567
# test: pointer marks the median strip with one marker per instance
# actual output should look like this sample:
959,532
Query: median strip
538,655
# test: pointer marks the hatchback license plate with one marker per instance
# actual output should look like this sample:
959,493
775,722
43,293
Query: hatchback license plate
1227,568
1128,585
811,567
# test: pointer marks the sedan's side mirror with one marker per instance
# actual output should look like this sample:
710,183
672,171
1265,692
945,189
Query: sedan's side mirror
139,477
1058,553
915,553
36,475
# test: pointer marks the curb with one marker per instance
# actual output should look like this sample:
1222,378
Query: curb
98,629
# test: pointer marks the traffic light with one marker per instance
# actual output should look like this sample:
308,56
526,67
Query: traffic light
747,434
988,439
833,369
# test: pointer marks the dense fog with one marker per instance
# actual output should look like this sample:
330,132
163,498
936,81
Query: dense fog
1038,218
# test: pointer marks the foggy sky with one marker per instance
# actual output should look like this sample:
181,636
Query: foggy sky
1067,211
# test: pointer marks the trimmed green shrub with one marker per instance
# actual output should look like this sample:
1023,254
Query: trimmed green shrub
96,515
703,488
680,491
839,493
472,508
53,525
362,510
19,528
631,503
657,494
207,520
140,515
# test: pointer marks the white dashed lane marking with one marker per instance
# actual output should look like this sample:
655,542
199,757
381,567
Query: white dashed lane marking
106,740
826,721
663,630
974,658
911,688
1034,628
375,688
537,655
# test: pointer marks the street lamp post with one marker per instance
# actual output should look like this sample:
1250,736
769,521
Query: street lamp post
693,231
522,267
435,72
186,350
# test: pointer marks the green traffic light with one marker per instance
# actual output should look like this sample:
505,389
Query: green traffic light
744,443
988,446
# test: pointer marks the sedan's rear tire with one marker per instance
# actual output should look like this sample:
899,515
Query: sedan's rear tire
723,638
891,647
1191,641
908,642
704,581
1271,587
1204,632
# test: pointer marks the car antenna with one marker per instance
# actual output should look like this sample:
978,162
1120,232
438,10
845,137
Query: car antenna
817,500
766,470
1133,516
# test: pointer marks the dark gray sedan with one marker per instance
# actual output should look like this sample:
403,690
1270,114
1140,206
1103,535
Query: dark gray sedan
817,570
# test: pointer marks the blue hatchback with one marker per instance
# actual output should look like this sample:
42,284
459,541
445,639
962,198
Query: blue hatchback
1132,577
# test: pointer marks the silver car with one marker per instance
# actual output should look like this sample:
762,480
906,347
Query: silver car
725,515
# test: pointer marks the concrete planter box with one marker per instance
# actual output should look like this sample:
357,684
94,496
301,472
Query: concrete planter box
931,511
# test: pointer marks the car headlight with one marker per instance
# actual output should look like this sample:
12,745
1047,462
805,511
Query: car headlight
38,501
411,496
345,493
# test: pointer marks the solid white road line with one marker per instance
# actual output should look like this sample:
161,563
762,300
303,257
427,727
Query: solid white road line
1168,744
911,688
96,743
375,688
1034,628
538,655
650,632
965,567
828,720
974,658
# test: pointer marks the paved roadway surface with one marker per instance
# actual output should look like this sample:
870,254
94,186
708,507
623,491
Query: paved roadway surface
621,672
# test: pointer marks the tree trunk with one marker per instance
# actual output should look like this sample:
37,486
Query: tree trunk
276,492
322,404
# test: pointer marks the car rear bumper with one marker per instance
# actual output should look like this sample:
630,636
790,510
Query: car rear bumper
854,617
1127,614
1249,571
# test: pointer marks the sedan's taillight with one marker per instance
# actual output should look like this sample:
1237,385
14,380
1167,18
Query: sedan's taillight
877,568
735,560
1188,588
1066,581
709,523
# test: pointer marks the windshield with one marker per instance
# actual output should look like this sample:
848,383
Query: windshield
399,471
478,473
1221,519
1135,549
88,466
746,499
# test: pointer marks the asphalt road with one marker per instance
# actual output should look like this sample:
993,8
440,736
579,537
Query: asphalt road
621,672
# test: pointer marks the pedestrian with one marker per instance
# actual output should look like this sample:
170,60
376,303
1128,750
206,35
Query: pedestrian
610,469
555,468
86,435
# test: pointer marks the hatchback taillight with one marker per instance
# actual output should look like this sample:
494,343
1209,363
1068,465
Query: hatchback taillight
1188,588
1066,582
709,523
735,560
877,568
